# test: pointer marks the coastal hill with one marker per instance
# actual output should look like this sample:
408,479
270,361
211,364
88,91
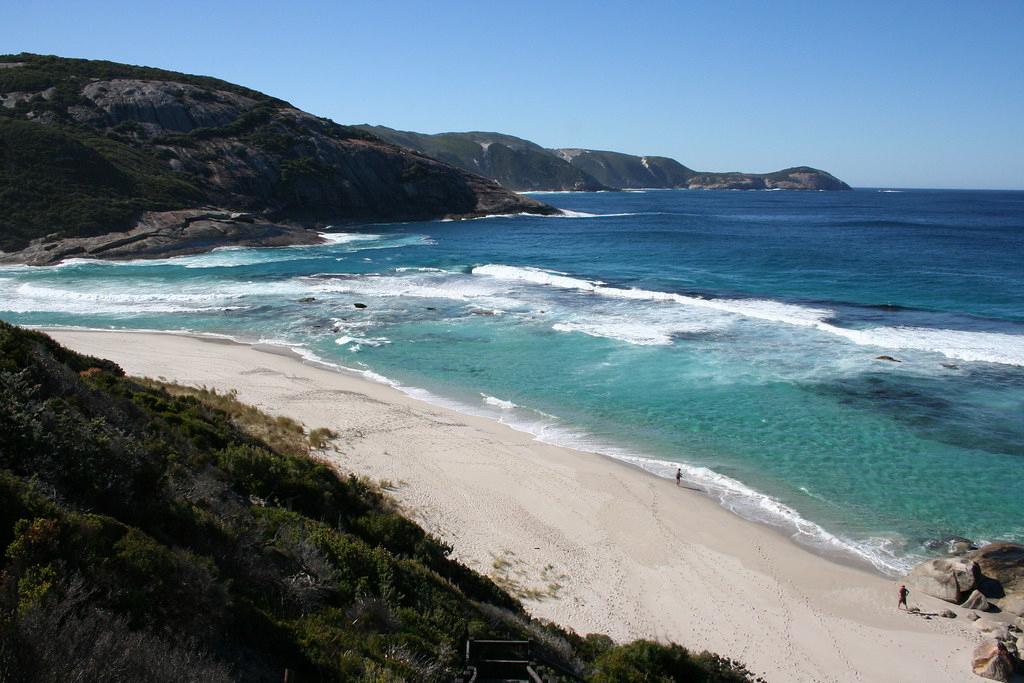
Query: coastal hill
516,163
163,533
522,166
628,171
93,147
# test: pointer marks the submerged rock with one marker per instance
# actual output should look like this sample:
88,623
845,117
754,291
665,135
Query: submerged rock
992,660
949,579
954,545
888,358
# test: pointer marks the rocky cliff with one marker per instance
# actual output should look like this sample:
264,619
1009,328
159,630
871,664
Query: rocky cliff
88,148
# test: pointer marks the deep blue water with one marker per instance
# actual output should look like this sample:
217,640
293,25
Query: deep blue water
734,332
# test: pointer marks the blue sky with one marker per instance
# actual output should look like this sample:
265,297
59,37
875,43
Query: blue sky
881,94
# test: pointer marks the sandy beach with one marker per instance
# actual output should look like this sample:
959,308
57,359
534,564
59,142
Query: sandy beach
586,541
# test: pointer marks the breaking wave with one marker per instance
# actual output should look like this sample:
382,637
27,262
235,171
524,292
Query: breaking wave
991,347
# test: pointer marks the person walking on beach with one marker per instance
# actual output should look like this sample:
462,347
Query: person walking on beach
903,597
679,476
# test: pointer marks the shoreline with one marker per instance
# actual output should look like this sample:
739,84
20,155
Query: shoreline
788,523
590,543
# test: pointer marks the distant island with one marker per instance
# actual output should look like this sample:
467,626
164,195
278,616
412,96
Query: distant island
522,165
174,163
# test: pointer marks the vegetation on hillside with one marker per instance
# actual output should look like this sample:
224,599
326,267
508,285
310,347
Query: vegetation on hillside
162,533
86,147
515,163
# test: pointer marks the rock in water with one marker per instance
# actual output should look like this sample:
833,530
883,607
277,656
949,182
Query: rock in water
888,358
976,601
948,579
992,660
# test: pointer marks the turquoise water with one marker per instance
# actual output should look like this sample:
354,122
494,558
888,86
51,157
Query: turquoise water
735,333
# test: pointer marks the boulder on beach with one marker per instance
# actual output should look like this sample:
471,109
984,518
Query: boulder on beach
971,616
992,660
1001,574
950,579
1013,604
976,601
948,613
993,629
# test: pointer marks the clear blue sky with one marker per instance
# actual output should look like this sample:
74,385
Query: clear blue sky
907,94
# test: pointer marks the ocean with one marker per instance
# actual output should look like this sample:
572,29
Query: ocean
736,335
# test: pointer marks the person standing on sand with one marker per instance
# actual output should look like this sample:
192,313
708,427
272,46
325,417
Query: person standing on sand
679,476
903,597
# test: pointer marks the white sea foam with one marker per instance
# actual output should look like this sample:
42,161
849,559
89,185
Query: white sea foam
356,343
29,297
347,237
629,332
752,308
991,347
440,285
498,403
227,257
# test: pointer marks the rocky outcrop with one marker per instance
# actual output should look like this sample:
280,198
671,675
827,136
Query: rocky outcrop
949,579
1001,574
167,233
159,106
993,629
992,660
1013,604
976,600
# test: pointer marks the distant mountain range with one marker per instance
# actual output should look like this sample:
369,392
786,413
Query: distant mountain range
522,165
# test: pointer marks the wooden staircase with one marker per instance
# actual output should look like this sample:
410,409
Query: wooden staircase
500,661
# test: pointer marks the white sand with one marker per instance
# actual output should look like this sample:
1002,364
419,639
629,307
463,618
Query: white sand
612,548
